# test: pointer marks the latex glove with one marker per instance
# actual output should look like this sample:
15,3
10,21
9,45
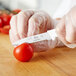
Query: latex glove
66,29
28,23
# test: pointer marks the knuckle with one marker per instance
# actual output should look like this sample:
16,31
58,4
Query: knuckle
36,19
31,19
22,14
29,12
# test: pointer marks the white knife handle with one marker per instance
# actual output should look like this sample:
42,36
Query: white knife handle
52,34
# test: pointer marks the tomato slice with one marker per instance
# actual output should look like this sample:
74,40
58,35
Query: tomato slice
5,29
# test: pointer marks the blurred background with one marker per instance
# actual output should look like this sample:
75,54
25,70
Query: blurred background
49,6
55,8
8,8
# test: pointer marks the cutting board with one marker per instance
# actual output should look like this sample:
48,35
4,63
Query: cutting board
55,62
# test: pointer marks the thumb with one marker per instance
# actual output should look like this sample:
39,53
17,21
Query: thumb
70,29
60,30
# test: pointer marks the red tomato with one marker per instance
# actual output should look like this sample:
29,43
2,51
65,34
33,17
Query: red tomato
23,52
17,10
6,19
1,22
5,31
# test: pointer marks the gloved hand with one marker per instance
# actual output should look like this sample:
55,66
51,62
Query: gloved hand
28,23
66,28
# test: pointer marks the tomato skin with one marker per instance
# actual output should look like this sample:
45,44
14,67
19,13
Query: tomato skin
6,19
1,22
23,52
5,29
17,10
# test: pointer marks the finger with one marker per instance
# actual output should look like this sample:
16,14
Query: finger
42,46
49,21
45,45
22,23
13,37
13,24
37,24
70,30
60,30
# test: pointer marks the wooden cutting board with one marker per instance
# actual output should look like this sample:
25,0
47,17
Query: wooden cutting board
56,62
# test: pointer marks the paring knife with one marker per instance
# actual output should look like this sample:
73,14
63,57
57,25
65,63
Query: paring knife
49,35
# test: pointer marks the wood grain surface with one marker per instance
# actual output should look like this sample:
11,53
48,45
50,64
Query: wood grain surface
56,62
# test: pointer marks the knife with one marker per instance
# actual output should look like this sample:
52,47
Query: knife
49,35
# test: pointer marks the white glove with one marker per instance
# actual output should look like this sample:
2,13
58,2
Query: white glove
66,29
28,23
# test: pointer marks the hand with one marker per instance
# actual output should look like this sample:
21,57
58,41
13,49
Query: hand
66,29
28,23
